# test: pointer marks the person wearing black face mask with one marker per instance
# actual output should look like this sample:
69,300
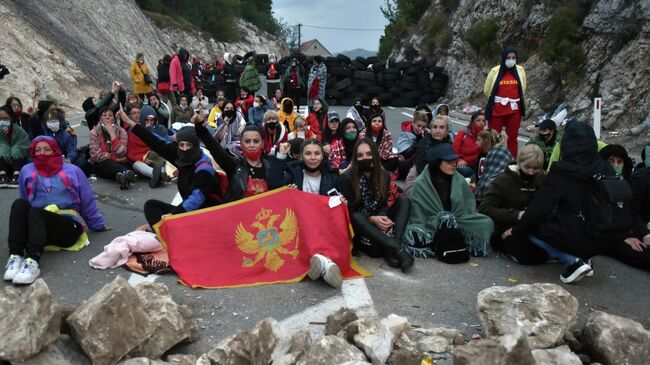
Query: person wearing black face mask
375,108
505,206
274,132
546,139
359,113
366,187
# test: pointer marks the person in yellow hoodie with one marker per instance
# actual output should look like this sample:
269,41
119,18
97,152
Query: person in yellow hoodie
216,111
287,114
141,78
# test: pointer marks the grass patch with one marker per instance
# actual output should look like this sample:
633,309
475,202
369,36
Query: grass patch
482,37
561,45
437,33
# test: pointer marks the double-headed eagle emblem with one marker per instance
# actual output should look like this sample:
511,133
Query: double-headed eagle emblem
269,242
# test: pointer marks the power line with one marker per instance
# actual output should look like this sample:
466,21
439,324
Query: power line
332,28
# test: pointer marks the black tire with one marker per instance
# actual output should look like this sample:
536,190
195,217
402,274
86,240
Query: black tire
343,59
331,59
437,84
379,77
390,77
413,70
409,79
415,94
334,94
358,66
363,75
361,60
403,102
391,62
396,90
332,101
403,65
361,83
392,71
262,59
300,57
340,71
419,63
347,101
385,97
352,89
374,90
408,85
309,60
437,70
390,83
379,66
372,59
428,99
343,83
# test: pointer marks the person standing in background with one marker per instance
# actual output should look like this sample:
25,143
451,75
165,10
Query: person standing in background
140,77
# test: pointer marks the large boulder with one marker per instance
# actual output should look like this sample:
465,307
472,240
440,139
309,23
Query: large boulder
30,321
558,356
173,323
509,349
374,338
338,320
613,340
331,350
543,311
111,323
260,346
63,352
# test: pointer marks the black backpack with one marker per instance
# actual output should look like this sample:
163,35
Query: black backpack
449,246
609,207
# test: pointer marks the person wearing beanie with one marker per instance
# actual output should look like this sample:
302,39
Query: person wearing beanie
56,207
505,87
617,156
444,210
546,139
555,222
14,149
378,227
140,76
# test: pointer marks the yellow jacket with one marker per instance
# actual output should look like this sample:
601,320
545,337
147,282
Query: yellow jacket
289,118
137,76
212,118
492,76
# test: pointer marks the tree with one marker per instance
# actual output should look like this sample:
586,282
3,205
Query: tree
289,34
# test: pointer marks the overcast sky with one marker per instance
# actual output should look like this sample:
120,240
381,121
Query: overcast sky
335,14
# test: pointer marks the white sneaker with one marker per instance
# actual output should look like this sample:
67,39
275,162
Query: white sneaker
13,267
320,265
28,272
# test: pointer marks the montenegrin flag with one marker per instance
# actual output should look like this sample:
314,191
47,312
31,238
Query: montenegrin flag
265,239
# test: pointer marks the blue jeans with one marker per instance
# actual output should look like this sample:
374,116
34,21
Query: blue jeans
565,259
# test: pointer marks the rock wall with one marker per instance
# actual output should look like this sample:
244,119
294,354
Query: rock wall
617,71
70,49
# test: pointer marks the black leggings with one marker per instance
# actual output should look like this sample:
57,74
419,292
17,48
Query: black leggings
382,245
31,229
107,169
155,209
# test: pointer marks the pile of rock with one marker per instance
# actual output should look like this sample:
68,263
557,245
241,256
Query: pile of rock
523,325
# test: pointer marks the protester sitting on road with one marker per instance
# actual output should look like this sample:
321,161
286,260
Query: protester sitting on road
311,173
466,145
14,149
378,228
559,220
249,174
55,207
141,77
442,110
163,113
216,111
199,185
617,156
145,161
331,134
182,113
256,113
91,109
18,115
359,113
287,114
546,139
376,130
244,102
506,200
37,123
230,125
273,132
276,100
317,117
163,87
200,101
505,86
497,157
108,147
301,131
375,108
342,149
67,142
443,220
412,133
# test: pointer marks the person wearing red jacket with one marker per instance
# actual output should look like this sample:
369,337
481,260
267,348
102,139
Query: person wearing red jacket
244,102
466,145
317,118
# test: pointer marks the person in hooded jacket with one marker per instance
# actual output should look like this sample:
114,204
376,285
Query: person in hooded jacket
293,80
555,221
231,76
375,108
274,132
163,86
92,109
359,113
505,87
546,139
287,114
140,76
466,145
199,184
163,114
38,119
18,116
67,142
260,106
14,148
180,74
317,80
56,207
311,173
341,153
617,156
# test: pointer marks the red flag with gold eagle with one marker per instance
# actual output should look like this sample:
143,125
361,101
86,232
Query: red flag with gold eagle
265,239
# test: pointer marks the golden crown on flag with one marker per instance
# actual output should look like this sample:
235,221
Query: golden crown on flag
264,214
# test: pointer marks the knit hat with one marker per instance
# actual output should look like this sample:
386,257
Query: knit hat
441,151
548,124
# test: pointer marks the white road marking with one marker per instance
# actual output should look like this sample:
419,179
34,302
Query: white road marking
136,279
357,296
391,108
75,125
411,109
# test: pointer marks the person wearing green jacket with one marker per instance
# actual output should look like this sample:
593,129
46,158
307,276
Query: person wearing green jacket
14,149
250,79
546,139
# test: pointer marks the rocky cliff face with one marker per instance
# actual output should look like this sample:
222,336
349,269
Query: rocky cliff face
614,39
69,49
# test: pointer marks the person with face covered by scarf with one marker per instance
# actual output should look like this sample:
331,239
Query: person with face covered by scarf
378,227
554,219
14,149
287,114
274,132
507,199
359,113
341,154
55,209
505,87
199,184
546,139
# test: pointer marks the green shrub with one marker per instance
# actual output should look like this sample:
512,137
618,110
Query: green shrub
482,37
449,5
561,44
437,33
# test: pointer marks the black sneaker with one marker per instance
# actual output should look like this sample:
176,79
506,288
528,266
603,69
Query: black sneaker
4,180
156,177
13,182
130,176
122,182
575,272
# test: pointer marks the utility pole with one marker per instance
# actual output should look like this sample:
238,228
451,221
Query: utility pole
299,43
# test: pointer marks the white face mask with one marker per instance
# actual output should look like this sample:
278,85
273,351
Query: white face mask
53,126
511,63
256,104
4,123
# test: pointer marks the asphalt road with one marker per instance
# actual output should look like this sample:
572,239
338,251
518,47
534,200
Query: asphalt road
434,293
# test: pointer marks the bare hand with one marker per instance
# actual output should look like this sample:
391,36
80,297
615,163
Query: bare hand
114,86
293,186
506,234
343,200
635,244
162,217
461,163
327,149
381,222
284,148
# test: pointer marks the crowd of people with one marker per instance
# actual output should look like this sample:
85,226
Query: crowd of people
565,197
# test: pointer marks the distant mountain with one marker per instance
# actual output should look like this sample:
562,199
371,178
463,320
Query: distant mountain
358,52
